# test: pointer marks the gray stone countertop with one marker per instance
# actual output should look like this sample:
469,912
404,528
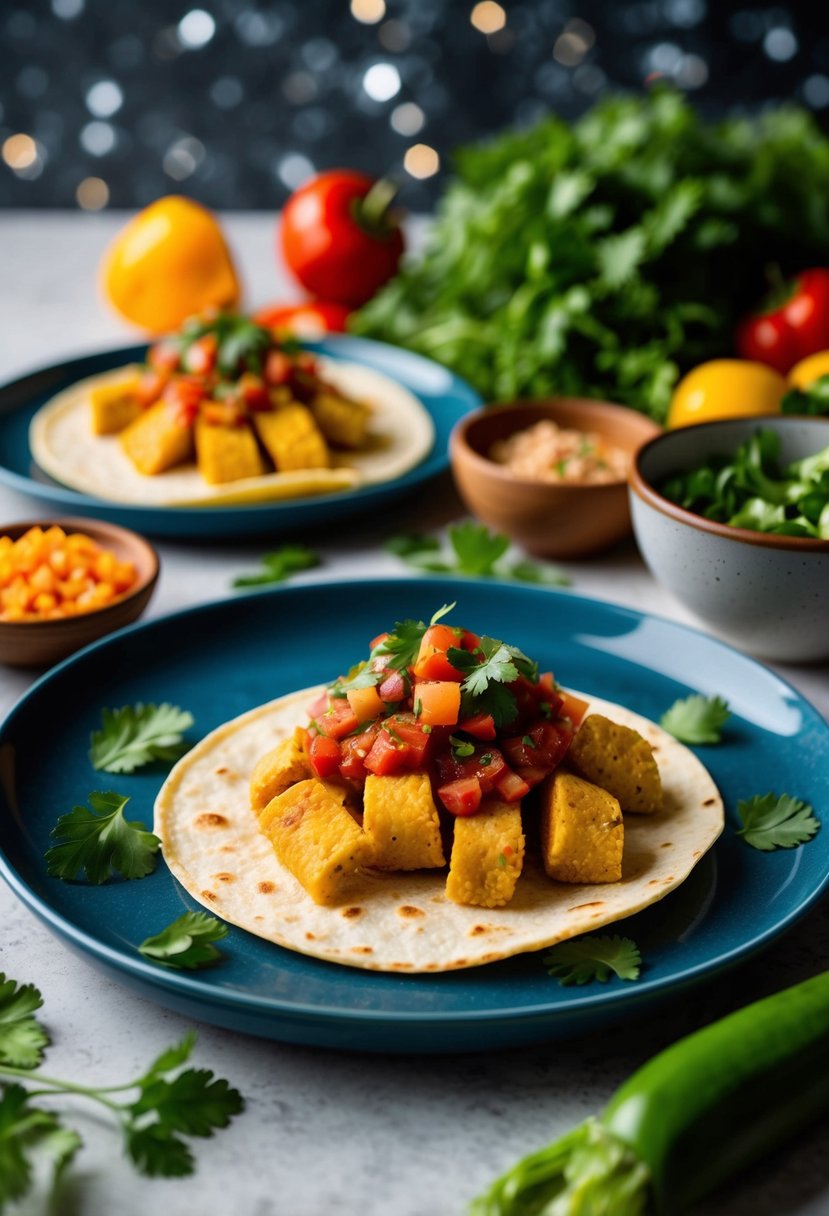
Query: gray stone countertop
326,1131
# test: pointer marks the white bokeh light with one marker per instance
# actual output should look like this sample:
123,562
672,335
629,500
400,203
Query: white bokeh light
104,99
98,138
382,81
196,28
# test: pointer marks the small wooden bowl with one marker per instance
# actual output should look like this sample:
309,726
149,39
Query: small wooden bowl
547,519
41,643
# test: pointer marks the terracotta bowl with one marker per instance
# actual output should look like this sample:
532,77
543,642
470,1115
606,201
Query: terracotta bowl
40,643
765,594
547,520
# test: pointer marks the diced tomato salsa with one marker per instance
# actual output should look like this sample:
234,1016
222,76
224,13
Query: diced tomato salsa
473,713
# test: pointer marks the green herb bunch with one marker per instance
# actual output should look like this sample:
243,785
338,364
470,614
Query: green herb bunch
600,258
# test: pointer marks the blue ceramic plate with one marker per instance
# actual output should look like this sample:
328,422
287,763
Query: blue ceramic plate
445,397
225,658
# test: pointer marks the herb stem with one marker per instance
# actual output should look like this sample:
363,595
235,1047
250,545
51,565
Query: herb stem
58,1086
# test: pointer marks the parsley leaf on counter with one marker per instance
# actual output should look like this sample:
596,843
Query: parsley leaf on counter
100,841
475,552
772,822
186,942
22,1038
280,565
137,734
593,958
162,1105
696,719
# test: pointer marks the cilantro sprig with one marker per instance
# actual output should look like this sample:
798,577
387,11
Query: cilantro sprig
776,822
155,1113
135,735
696,719
186,943
397,649
279,566
585,959
99,841
487,672
474,552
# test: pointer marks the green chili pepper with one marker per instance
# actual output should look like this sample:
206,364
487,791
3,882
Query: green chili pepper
693,1116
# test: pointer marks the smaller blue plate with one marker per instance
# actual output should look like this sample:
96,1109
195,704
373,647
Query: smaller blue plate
443,395
223,659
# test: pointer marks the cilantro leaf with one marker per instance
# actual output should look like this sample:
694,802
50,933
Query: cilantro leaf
24,1130
280,565
186,942
696,719
99,840
772,822
137,734
487,672
497,667
476,548
593,958
474,552
22,1038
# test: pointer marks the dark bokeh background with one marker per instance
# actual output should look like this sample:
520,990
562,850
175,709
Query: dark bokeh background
115,102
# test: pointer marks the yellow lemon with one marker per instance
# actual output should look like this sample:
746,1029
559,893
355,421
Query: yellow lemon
809,369
169,262
726,388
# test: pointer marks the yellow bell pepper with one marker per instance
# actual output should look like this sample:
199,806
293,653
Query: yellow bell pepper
808,370
169,262
726,388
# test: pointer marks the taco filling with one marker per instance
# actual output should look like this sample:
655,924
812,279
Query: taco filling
443,804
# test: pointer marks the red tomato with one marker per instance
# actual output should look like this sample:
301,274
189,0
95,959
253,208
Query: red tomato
311,319
341,245
338,720
481,726
163,357
792,328
324,756
185,394
150,387
431,662
511,787
393,688
461,797
254,393
354,751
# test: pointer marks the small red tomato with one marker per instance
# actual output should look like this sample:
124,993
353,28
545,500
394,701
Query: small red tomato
312,319
338,238
794,325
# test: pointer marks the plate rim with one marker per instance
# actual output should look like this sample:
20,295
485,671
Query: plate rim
613,1000
64,495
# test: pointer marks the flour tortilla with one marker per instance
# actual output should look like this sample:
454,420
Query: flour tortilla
64,446
404,922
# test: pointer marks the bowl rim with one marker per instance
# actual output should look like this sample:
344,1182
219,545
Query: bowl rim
105,530
458,440
643,489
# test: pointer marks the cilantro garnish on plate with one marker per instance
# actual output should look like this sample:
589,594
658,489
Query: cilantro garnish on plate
776,822
584,959
474,552
279,566
98,840
696,719
135,735
187,942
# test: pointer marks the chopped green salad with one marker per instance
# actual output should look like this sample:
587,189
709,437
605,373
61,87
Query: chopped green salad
751,490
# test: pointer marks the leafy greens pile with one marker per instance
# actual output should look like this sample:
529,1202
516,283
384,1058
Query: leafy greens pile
750,490
600,258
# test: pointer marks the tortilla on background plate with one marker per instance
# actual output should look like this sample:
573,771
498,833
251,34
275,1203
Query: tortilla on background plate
403,922
63,444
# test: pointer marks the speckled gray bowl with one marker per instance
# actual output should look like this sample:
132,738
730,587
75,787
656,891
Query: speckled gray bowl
768,595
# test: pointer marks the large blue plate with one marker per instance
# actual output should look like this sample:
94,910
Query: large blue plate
446,398
224,658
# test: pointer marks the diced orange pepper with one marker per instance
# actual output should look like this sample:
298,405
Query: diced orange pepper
34,569
437,702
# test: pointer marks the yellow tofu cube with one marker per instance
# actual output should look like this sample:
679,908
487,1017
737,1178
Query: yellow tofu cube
157,440
114,404
343,423
315,837
402,823
582,834
227,453
277,770
292,438
619,760
487,856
